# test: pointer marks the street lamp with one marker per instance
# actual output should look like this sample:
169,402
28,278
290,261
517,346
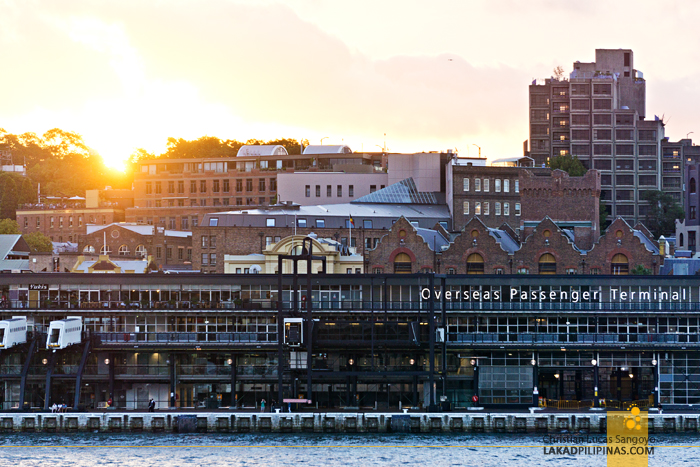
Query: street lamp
479,150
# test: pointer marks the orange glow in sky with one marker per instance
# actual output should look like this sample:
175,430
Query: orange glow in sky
431,76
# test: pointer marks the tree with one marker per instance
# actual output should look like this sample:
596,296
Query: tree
602,215
569,164
640,270
9,227
38,242
8,201
558,73
662,214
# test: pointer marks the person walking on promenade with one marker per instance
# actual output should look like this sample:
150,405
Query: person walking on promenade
262,405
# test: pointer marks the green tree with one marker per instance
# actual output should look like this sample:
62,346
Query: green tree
8,201
569,164
640,270
662,214
38,242
603,215
9,227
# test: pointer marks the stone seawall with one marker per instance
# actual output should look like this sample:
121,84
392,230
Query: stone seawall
221,422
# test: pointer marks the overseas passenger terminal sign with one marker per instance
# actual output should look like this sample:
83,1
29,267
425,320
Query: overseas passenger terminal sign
563,294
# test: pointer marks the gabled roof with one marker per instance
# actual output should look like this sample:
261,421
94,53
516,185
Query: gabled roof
13,244
403,192
433,238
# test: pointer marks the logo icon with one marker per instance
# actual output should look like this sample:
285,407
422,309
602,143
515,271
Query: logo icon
635,421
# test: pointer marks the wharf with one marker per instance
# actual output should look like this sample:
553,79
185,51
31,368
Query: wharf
333,422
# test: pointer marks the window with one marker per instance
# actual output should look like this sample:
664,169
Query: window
171,187
625,179
372,188
497,185
60,222
692,213
649,180
171,223
477,208
261,185
517,186
602,164
169,252
159,188
506,209
486,208
320,223
477,184
486,184
273,184
475,264
517,209
239,186
205,241
301,222
367,223
351,191
691,239
205,259
212,259
547,264
602,104
307,191
624,164
402,264
123,250
318,191
193,186
180,253
149,188
506,186
466,184
465,206
249,185
227,186
89,249
329,191
26,219
619,265
214,222
270,222
215,186
268,241
70,221
104,250
202,202
340,191
498,208
522,270
202,186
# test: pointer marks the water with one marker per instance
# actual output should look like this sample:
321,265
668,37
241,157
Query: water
309,450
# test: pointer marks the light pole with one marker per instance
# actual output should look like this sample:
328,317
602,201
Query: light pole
479,149
688,134
594,362
325,137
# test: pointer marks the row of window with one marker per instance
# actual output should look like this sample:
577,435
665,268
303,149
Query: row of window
217,186
320,223
625,164
249,201
585,120
124,250
643,180
498,185
339,190
53,223
484,208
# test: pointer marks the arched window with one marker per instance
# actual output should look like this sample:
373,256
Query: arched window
475,264
89,249
123,250
296,250
620,266
402,264
548,264
692,186
141,251
105,250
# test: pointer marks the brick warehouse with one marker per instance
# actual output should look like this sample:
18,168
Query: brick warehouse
549,249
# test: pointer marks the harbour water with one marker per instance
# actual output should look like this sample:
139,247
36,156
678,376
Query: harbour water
310,450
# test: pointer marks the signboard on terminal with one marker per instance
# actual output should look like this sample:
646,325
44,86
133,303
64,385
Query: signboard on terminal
38,286
562,294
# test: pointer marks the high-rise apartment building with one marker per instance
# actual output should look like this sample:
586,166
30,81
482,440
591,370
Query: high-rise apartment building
597,115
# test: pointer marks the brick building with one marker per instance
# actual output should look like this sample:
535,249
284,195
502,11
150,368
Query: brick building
548,249
169,249
571,202
64,222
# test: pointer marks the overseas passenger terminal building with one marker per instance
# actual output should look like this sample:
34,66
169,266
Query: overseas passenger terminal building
428,341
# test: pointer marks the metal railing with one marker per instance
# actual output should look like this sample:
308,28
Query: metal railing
186,337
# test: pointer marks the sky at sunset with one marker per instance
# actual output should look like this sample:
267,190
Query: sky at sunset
432,76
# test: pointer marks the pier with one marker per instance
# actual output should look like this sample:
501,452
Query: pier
340,422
